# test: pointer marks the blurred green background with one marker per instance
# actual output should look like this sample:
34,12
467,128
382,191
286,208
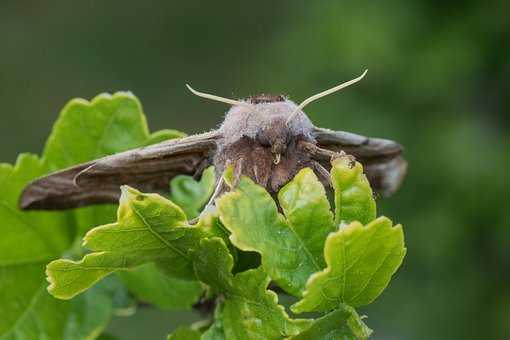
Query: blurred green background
438,82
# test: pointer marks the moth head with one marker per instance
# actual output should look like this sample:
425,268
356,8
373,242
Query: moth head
273,133
262,118
265,122
272,120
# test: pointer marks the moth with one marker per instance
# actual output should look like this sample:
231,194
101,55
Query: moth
265,137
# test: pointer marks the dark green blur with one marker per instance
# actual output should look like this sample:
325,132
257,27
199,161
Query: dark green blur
438,82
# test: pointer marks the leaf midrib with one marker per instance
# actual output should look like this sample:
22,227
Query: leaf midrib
157,235
289,226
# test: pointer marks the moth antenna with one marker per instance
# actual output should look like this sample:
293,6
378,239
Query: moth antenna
216,98
324,93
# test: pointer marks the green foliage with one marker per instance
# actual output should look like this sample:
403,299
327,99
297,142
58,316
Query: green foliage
292,245
149,228
150,284
360,262
331,260
307,209
184,333
354,200
192,195
89,130
342,323
26,309
252,217
163,135
249,310
84,131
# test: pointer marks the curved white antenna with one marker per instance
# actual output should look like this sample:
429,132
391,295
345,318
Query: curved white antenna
216,98
325,93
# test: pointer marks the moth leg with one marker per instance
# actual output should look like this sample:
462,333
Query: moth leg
238,171
221,188
322,173
217,192
318,153
201,167
210,207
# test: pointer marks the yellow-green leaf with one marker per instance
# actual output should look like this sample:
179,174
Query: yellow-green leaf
360,262
343,323
149,228
354,199
307,210
252,217
249,310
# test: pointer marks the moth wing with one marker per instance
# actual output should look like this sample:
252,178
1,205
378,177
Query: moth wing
149,168
381,158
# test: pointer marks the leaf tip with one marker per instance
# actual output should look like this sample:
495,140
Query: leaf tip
54,288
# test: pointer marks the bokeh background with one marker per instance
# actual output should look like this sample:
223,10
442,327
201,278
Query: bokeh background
438,82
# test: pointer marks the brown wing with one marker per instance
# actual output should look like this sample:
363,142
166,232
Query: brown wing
149,168
381,158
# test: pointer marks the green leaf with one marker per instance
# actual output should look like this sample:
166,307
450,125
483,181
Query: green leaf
307,209
149,228
343,323
163,135
43,315
354,199
29,240
252,217
91,312
215,331
192,195
360,262
149,284
87,130
27,311
184,333
249,311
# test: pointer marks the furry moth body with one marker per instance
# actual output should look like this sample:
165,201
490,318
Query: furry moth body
268,138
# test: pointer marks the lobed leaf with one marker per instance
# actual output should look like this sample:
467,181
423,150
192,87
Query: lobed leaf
84,131
192,195
342,323
149,228
306,207
87,130
43,236
249,310
354,199
149,284
360,262
153,231
252,217
27,310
